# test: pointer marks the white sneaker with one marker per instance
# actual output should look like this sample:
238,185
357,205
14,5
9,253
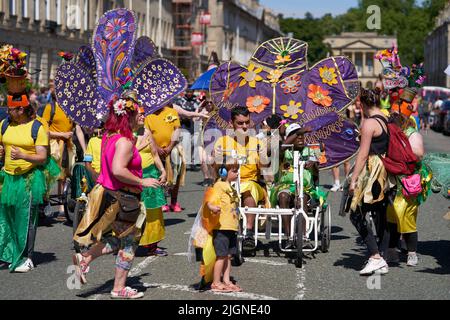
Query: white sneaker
383,270
392,255
25,267
373,265
412,260
336,187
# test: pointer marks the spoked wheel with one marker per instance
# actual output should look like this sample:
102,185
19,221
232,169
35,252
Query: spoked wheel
68,202
77,216
299,241
325,229
238,258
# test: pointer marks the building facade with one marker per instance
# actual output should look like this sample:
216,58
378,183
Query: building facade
238,27
361,48
42,28
437,51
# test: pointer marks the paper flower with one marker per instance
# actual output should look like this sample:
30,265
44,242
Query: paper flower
282,59
319,96
67,56
250,77
257,103
119,107
292,110
328,75
291,84
115,28
274,76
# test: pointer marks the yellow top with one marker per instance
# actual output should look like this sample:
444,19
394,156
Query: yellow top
162,125
249,170
225,197
60,122
19,136
93,153
147,157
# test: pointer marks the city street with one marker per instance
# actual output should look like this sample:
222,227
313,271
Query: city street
267,276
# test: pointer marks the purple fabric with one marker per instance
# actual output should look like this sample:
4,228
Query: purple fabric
292,88
113,46
144,49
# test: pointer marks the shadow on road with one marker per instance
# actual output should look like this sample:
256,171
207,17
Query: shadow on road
170,222
438,249
43,258
134,282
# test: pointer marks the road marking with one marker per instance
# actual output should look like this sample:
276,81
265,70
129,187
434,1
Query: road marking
188,232
182,254
133,272
269,262
301,278
177,287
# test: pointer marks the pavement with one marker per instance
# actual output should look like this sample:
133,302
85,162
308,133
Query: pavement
267,276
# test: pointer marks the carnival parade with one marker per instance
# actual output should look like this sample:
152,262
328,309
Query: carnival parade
127,177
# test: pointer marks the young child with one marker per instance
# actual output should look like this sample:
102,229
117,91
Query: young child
222,205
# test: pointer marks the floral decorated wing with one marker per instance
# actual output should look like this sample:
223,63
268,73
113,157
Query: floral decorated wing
157,83
77,95
85,59
144,49
113,47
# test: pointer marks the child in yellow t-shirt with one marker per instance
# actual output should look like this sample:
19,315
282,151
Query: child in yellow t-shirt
223,203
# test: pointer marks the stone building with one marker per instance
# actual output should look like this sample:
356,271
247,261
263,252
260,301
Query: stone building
238,27
361,48
437,51
42,28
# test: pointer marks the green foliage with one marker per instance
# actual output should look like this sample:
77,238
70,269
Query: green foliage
410,22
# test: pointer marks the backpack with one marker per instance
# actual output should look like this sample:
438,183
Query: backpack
34,128
399,158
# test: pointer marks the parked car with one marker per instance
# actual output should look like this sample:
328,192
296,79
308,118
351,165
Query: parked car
440,116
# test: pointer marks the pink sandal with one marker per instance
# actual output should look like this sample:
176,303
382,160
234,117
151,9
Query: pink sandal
219,287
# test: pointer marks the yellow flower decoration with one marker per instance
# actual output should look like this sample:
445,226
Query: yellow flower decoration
251,76
170,118
283,60
292,110
274,75
328,75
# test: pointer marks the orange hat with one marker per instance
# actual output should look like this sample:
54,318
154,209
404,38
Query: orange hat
14,102
404,108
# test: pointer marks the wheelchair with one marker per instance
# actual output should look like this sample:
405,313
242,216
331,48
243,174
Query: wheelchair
310,226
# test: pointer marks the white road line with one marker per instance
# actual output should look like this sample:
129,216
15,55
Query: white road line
133,272
177,287
268,262
182,254
301,278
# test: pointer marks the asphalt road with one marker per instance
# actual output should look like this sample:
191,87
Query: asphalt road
332,275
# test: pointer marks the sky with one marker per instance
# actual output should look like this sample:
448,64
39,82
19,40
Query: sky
298,8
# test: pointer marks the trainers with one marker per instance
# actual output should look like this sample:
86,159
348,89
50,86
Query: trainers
126,293
412,260
176,207
392,255
336,187
383,270
248,244
290,244
373,265
81,267
165,208
25,267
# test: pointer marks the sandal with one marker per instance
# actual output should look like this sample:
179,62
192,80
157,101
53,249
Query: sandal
233,287
219,287
157,252
81,267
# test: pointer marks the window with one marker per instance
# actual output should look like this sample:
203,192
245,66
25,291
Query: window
58,11
359,61
36,9
47,9
369,61
25,8
12,7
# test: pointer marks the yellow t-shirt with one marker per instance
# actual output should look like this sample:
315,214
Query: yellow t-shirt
19,136
60,122
162,125
225,197
93,153
147,157
249,170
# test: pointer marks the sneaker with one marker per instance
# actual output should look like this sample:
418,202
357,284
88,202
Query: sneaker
157,252
373,265
383,270
81,267
412,260
248,244
176,207
290,244
165,208
336,187
205,183
392,255
25,267
126,293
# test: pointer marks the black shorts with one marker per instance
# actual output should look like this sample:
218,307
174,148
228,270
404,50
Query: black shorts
224,242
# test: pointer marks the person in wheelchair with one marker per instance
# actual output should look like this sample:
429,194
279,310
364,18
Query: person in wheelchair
284,191
252,191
